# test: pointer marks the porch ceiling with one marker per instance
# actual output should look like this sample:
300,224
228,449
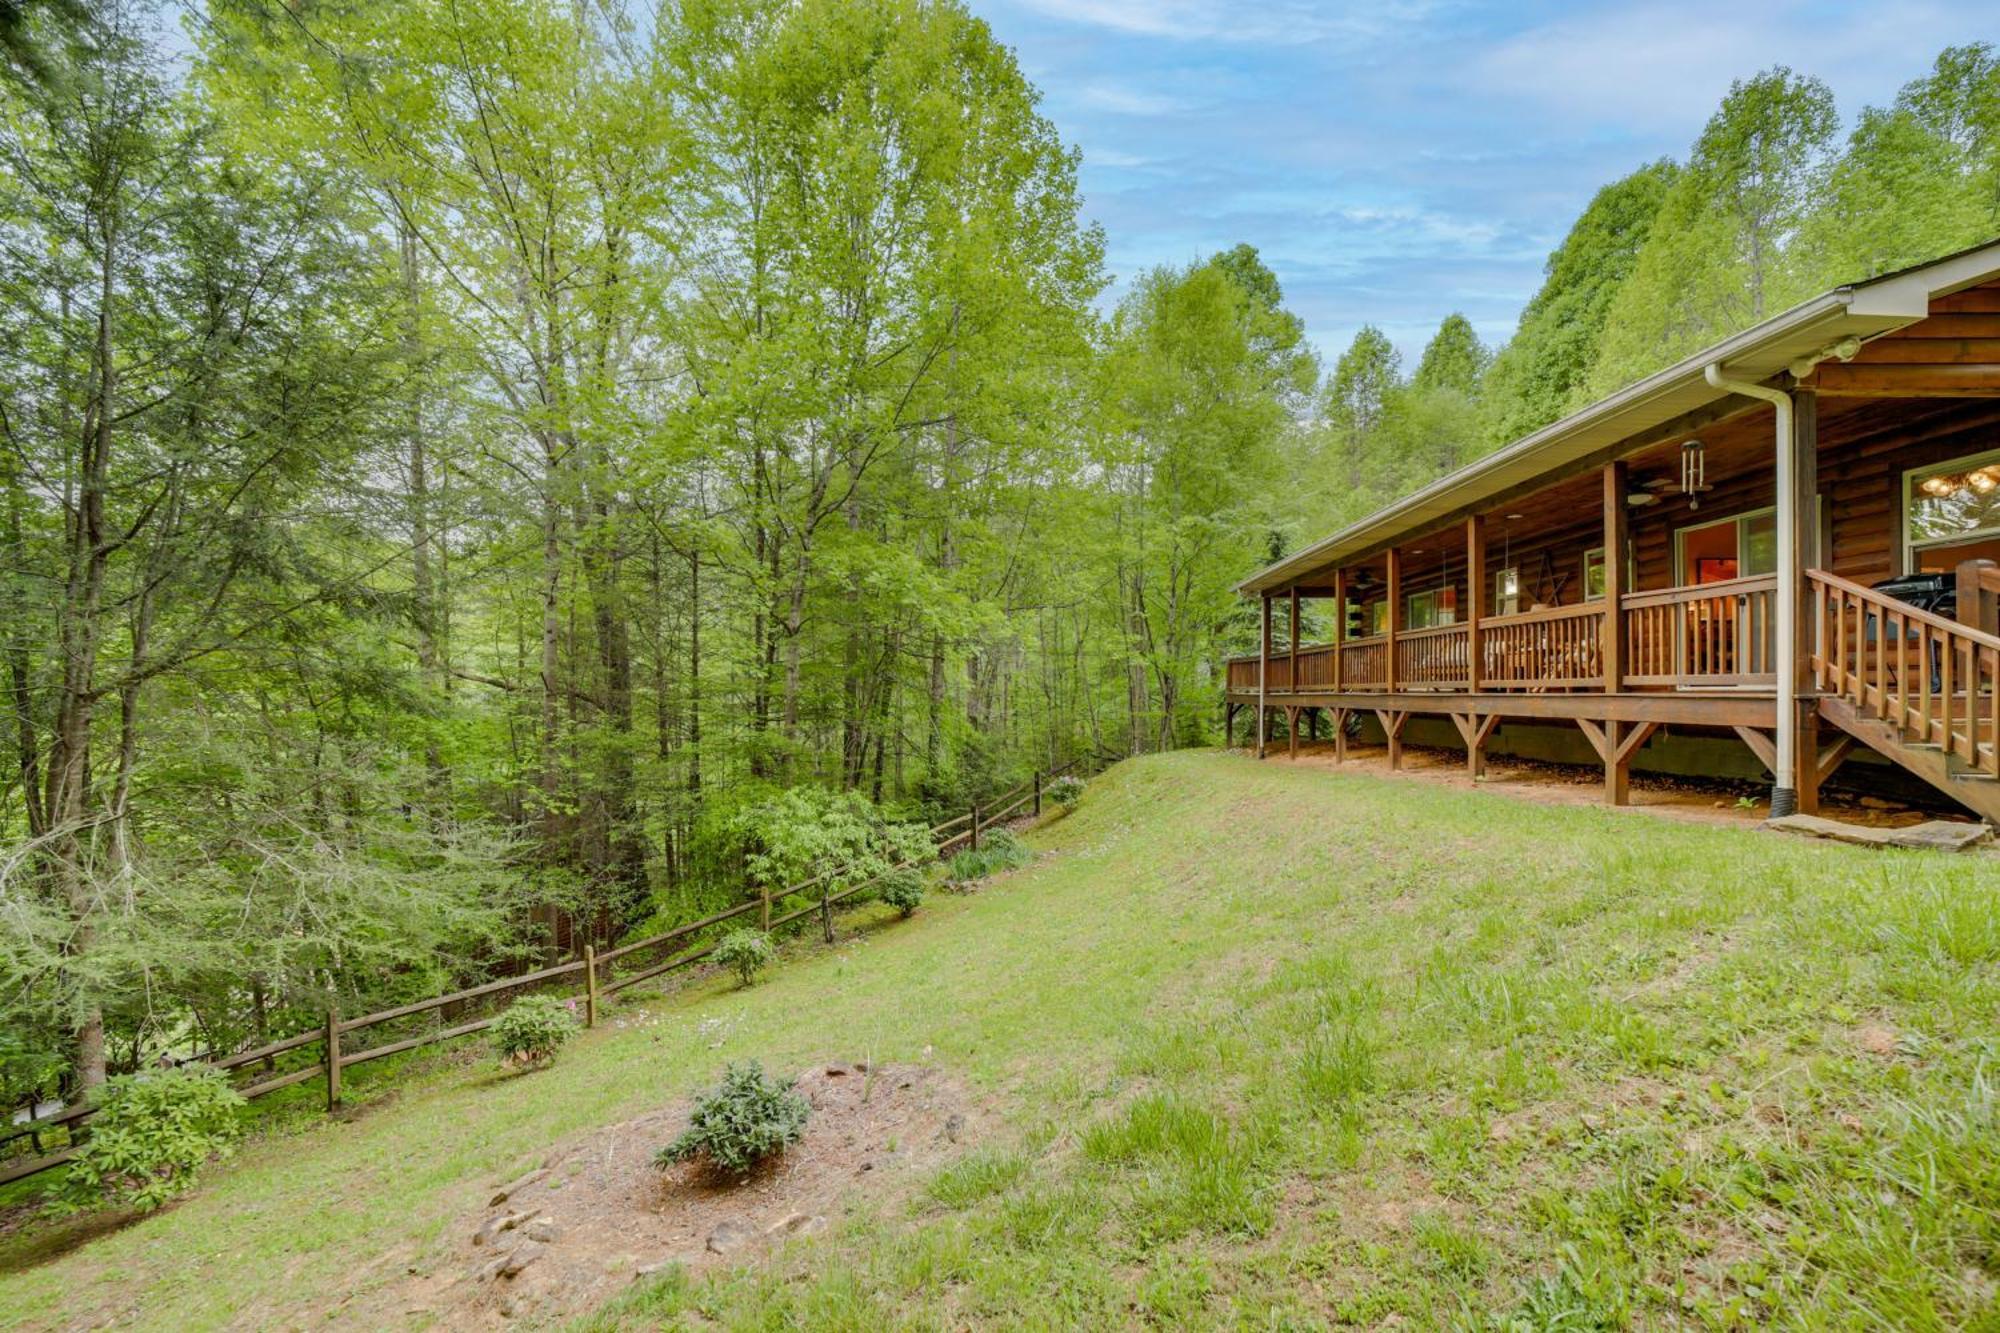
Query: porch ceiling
1615,425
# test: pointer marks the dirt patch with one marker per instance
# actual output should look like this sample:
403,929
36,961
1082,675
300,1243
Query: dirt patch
1705,800
569,1235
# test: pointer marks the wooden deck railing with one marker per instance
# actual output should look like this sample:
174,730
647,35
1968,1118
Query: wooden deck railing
1716,634
1937,681
599,974
1435,658
1364,663
1556,648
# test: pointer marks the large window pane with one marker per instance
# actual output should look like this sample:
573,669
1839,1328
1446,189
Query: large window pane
1758,552
1955,500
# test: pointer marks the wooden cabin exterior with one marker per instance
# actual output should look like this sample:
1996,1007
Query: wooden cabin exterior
1696,555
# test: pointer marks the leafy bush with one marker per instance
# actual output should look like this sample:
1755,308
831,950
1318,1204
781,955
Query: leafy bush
1065,791
904,889
151,1136
807,831
998,850
533,1029
741,1121
747,952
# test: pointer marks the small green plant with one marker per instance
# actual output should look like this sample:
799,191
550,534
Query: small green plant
741,1121
1065,792
746,952
533,1029
152,1134
904,889
998,850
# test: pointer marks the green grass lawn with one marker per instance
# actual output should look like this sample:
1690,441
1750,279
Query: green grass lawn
1276,1047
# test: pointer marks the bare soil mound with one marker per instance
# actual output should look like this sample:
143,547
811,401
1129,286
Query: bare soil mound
597,1214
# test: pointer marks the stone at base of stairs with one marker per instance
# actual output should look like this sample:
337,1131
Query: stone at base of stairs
1937,835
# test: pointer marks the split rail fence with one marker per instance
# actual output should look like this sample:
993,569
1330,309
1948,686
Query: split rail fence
599,972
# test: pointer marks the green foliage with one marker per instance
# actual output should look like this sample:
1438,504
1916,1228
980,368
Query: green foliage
998,850
746,953
533,1030
152,1134
903,890
741,1121
1065,791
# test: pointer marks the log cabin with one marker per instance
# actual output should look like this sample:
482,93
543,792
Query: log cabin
1779,556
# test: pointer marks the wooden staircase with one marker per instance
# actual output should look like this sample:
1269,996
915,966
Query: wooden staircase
1917,688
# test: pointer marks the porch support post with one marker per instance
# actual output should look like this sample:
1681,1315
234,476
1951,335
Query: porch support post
1613,647
1805,777
1784,794
1263,672
1291,731
1395,623
1392,720
1292,646
1475,602
1340,735
1339,621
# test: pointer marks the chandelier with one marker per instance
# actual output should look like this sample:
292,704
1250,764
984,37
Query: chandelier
1980,481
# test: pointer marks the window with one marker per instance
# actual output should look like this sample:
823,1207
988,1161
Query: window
1378,618
1951,512
1506,591
1421,610
1737,547
1593,574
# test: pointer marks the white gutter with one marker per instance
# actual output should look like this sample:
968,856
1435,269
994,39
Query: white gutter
1784,796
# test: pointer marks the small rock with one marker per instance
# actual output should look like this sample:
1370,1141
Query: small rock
498,1223
796,1224
509,1190
954,1125
524,1254
542,1230
729,1237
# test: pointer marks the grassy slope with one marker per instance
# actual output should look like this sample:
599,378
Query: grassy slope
1288,1048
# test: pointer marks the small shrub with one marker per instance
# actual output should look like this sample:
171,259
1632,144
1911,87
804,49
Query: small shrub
746,952
533,1029
1065,791
998,850
152,1134
904,890
741,1121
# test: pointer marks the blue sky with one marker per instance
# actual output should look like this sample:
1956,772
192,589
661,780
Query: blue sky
1399,160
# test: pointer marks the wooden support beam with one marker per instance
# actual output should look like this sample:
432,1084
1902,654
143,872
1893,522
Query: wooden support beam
1474,729
1621,741
1340,735
1263,674
1908,380
1339,621
1475,601
1762,745
1292,645
1392,720
1395,623
1291,732
1612,627
1805,529
1594,733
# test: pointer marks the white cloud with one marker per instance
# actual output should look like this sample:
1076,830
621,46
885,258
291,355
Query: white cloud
1239,20
1121,100
1662,69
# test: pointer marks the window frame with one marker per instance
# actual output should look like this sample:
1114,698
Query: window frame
1682,577
1965,463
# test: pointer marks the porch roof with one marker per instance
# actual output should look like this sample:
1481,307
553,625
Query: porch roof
1806,333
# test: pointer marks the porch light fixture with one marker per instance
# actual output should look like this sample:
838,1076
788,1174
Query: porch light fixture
1694,472
1980,481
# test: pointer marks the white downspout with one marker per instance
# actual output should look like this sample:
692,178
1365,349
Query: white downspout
1784,796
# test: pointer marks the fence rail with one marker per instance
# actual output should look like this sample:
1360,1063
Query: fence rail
592,966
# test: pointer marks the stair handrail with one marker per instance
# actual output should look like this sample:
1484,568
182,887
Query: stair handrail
1913,614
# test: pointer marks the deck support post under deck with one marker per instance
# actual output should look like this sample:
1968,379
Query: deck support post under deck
1474,729
1340,735
1392,720
1291,732
1616,742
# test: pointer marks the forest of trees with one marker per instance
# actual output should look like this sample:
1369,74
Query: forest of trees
459,463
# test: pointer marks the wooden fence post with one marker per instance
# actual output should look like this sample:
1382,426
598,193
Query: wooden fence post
589,986
975,826
764,921
333,1059
1038,791
826,909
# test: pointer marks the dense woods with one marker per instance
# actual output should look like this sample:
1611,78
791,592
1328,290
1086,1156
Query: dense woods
460,464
